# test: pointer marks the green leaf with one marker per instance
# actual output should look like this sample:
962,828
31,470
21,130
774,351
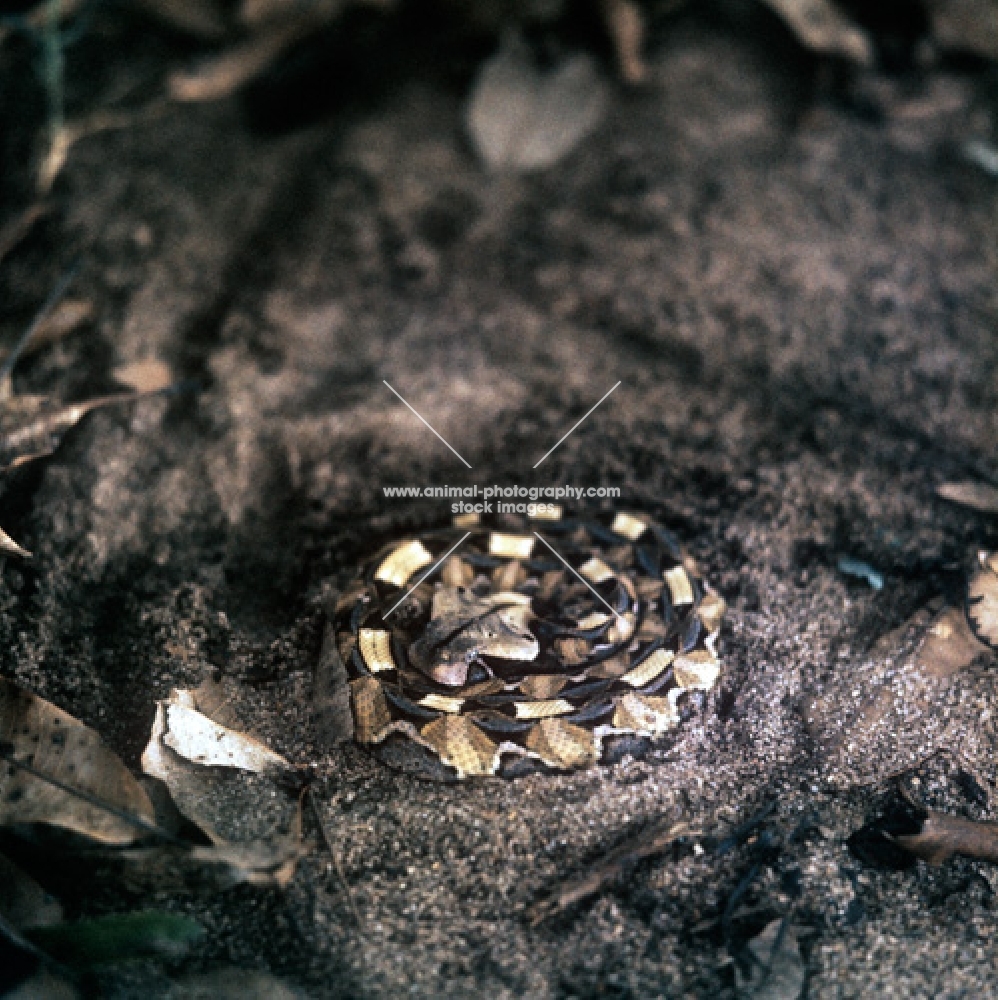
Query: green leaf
117,938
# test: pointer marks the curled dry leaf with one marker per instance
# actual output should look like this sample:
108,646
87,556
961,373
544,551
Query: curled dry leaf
521,119
32,427
220,780
891,723
200,740
906,830
49,741
978,496
331,717
8,545
941,836
821,26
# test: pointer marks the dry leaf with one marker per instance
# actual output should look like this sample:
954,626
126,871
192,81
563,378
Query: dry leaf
149,375
942,836
219,779
966,26
200,740
978,496
267,862
882,715
521,119
775,967
933,837
51,742
949,646
626,24
8,545
821,26
31,427
331,716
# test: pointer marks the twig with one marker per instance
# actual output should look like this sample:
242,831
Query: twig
741,832
62,286
16,938
626,24
19,227
735,898
609,868
337,864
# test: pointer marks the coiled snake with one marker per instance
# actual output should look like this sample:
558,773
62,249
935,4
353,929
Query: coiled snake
536,640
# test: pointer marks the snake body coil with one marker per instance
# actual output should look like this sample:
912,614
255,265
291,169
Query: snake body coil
535,639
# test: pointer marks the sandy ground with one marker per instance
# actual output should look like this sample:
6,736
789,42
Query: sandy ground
795,281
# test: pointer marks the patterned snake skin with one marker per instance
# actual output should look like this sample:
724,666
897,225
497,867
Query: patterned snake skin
536,641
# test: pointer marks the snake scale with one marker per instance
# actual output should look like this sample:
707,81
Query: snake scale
535,642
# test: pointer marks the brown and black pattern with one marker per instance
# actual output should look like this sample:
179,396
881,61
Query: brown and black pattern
502,654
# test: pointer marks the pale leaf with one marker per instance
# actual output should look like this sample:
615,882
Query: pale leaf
200,740
522,119
978,496
821,26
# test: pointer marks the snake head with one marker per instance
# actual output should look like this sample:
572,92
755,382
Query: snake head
464,627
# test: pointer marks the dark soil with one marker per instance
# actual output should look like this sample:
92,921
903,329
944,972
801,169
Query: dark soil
793,273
